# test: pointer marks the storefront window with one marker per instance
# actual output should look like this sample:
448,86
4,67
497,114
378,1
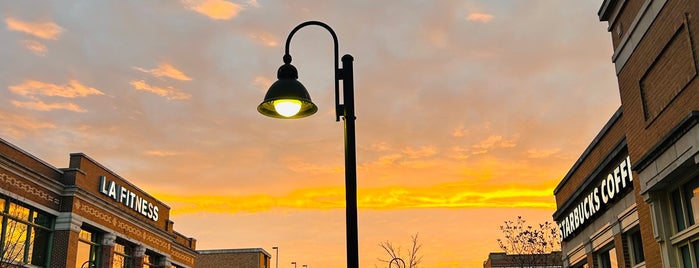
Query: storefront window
685,204
26,234
686,257
607,258
635,246
691,190
122,255
150,260
88,250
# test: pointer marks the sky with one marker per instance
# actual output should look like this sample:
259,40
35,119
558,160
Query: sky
469,113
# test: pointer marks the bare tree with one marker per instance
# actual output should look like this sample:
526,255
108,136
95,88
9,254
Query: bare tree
529,246
394,254
16,239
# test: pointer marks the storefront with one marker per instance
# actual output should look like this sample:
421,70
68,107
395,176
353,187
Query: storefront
597,212
82,216
656,223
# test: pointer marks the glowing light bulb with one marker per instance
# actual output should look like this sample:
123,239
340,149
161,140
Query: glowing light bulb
287,108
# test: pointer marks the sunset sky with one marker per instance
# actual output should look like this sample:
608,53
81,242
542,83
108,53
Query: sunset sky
469,113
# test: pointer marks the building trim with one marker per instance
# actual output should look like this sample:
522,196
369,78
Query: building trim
638,29
667,141
237,250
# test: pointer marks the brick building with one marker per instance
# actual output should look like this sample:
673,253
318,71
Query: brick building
655,222
234,258
504,260
82,216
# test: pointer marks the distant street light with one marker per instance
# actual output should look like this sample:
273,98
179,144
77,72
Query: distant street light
294,263
288,98
276,257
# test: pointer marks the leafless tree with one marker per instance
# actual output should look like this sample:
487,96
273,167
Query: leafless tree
16,239
394,253
530,246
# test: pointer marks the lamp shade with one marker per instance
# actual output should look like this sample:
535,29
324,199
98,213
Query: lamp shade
287,98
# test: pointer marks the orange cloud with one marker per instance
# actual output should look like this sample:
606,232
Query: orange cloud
534,153
452,195
161,153
299,166
169,92
492,142
72,90
36,47
44,30
215,9
480,17
459,132
166,70
425,151
14,125
265,39
42,106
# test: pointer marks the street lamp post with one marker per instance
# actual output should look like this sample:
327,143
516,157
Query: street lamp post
276,257
288,98
294,263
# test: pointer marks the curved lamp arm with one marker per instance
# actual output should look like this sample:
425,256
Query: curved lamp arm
287,59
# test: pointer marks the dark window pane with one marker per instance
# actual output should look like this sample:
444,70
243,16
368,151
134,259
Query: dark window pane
39,247
637,247
686,258
677,209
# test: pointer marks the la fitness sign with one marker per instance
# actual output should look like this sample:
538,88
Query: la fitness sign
128,198
609,188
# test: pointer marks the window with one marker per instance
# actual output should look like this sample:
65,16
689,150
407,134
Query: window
685,204
635,246
26,234
88,249
607,258
150,260
122,255
582,264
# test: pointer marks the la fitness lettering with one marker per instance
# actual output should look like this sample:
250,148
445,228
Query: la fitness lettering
128,198
610,187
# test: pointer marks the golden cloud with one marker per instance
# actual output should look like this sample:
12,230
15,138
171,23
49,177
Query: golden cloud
436,196
534,153
44,30
170,92
299,166
480,17
215,9
265,39
425,151
492,142
36,47
42,106
73,89
166,70
14,125
161,153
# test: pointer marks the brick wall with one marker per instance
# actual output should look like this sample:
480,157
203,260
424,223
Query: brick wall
659,86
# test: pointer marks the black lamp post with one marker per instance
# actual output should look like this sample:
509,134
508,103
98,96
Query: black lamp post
288,98
276,258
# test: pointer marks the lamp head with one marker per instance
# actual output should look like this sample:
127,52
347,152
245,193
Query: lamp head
287,98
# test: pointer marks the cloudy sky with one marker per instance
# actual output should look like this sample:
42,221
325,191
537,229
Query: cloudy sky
468,113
